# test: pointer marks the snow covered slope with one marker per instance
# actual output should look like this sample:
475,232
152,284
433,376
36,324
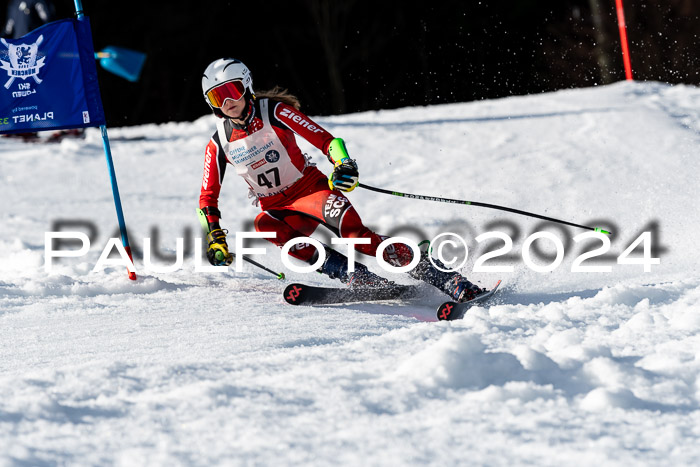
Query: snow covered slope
189,368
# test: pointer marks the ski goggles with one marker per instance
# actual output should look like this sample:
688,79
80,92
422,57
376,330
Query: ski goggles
229,90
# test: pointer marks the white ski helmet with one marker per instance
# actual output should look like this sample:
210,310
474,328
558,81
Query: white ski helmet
223,71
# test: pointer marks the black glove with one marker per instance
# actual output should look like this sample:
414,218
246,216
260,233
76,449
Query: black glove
217,249
345,176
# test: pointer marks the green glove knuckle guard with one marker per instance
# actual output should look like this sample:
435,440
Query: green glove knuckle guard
345,175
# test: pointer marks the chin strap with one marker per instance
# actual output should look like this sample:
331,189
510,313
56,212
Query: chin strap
249,110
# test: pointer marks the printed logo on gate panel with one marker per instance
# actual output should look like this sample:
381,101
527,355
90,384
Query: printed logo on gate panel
23,61
272,156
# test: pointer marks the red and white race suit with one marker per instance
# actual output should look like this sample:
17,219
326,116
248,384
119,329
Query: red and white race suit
294,195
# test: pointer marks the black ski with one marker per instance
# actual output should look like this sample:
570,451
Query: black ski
302,294
449,311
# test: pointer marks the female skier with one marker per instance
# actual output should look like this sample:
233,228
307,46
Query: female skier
256,135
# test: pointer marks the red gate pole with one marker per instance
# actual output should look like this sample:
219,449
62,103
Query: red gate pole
623,39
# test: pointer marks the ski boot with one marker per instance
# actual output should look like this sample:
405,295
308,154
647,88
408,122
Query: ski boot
336,267
461,290
452,283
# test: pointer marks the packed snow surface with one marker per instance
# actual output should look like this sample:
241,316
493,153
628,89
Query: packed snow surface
207,368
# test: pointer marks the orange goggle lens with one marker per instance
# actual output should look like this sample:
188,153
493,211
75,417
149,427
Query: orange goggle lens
229,90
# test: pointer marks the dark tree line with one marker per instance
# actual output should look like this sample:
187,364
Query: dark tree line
354,55
664,39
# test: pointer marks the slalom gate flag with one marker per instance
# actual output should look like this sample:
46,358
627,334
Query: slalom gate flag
48,79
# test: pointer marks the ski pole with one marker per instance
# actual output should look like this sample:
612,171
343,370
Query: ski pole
476,203
280,275
205,227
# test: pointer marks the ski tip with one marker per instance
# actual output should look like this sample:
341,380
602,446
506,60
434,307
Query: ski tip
493,289
294,294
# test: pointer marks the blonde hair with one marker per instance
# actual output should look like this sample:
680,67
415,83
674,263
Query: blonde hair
279,94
